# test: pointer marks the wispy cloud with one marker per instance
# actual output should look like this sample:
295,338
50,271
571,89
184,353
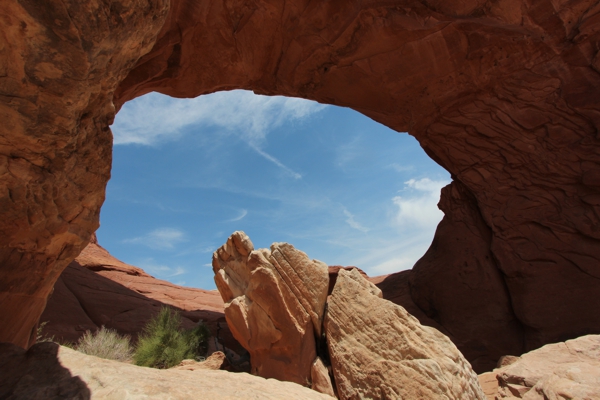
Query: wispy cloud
275,161
352,222
159,239
160,270
417,207
243,213
156,118
401,168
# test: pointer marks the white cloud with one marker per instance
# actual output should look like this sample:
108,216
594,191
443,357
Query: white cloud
243,213
160,270
401,168
417,207
156,118
352,222
160,239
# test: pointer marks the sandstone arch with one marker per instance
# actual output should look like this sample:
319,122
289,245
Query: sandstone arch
503,94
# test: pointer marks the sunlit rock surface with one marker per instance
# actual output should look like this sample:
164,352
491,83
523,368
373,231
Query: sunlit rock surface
48,371
569,370
274,304
379,351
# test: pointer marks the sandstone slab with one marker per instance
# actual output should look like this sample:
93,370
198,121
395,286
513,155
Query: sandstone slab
49,371
378,350
568,370
274,304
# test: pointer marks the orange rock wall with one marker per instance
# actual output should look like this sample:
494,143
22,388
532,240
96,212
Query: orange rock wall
502,94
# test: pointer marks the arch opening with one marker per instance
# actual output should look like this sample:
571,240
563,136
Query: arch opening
341,187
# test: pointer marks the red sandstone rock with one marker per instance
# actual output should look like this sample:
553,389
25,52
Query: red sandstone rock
504,95
274,305
97,289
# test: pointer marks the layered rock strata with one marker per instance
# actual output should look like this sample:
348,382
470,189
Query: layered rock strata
379,351
47,371
503,94
274,304
96,289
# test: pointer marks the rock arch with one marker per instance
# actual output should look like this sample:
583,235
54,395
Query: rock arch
503,94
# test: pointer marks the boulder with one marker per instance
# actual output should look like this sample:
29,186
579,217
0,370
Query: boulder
215,361
274,304
566,370
378,350
48,371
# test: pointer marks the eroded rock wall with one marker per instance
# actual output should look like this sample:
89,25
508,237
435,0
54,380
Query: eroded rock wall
502,94
60,63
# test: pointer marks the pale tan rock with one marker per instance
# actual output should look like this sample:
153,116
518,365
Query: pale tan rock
569,370
378,350
215,361
489,384
47,372
321,381
274,304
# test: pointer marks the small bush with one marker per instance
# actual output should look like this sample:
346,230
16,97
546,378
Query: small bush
40,336
105,343
164,345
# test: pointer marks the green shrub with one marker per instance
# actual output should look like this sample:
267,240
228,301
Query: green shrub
105,343
164,344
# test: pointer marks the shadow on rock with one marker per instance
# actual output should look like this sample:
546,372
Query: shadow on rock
37,374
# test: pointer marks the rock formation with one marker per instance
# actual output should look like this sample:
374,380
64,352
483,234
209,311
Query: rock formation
375,348
97,289
274,304
569,370
503,94
379,351
48,371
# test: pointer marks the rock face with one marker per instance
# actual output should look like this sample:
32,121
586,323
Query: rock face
60,63
503,94
374,348
274,304
569,370
48,371
97,289
379,351
460,254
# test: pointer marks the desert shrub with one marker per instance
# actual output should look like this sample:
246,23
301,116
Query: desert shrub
41,337
105,343
164,344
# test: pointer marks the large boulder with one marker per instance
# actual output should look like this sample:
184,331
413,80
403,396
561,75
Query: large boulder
274,304
378,350
48,371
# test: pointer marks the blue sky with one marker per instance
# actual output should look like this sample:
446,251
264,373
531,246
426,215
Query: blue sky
337,185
